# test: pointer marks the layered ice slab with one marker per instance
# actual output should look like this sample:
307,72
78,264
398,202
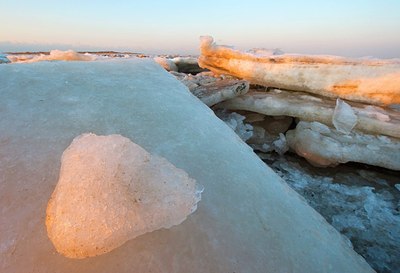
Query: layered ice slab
110,191
324,146
365,118
369,81
249,220
212,90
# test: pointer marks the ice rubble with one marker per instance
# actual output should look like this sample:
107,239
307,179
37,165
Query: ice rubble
249,220
265,134
369,81
369,119
110,191
324,146
55,55
351,200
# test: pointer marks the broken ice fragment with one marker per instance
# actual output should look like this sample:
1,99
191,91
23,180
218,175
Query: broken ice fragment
344,119
166,63
324,146
111,190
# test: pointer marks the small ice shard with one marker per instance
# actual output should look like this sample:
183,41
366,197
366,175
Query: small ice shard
55,55
368,81
167,64
280,145
111,190
323,146
344,119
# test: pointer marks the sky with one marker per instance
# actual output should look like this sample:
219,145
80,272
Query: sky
353,28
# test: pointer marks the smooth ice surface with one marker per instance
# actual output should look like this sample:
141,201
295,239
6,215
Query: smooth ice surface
370,119
249,220
324,146
369,81
110,191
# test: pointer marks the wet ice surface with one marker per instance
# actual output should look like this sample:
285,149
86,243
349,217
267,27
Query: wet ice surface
360,201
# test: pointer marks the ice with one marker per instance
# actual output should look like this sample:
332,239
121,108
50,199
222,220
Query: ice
324,146
55,55
4,59
211,89
166,63
249,220
188,65
110,191
350,199
235,122
344,119
377,112
368,81
280,145
268,132
311,108
264,52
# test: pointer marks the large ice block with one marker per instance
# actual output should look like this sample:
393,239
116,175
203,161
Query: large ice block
249,220
362,80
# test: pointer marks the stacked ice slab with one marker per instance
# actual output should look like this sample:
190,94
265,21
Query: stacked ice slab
350,108
249,220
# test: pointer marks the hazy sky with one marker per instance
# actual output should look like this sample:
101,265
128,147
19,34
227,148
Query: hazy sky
340,27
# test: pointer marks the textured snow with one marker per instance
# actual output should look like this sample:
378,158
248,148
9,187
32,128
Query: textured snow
324,146
370,119
344,119
55,55
368,81
110,191
249,220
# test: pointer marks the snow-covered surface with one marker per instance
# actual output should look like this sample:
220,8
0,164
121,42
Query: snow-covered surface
359,201
324,146
369,81
249,220
110,191
54,55
370,119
